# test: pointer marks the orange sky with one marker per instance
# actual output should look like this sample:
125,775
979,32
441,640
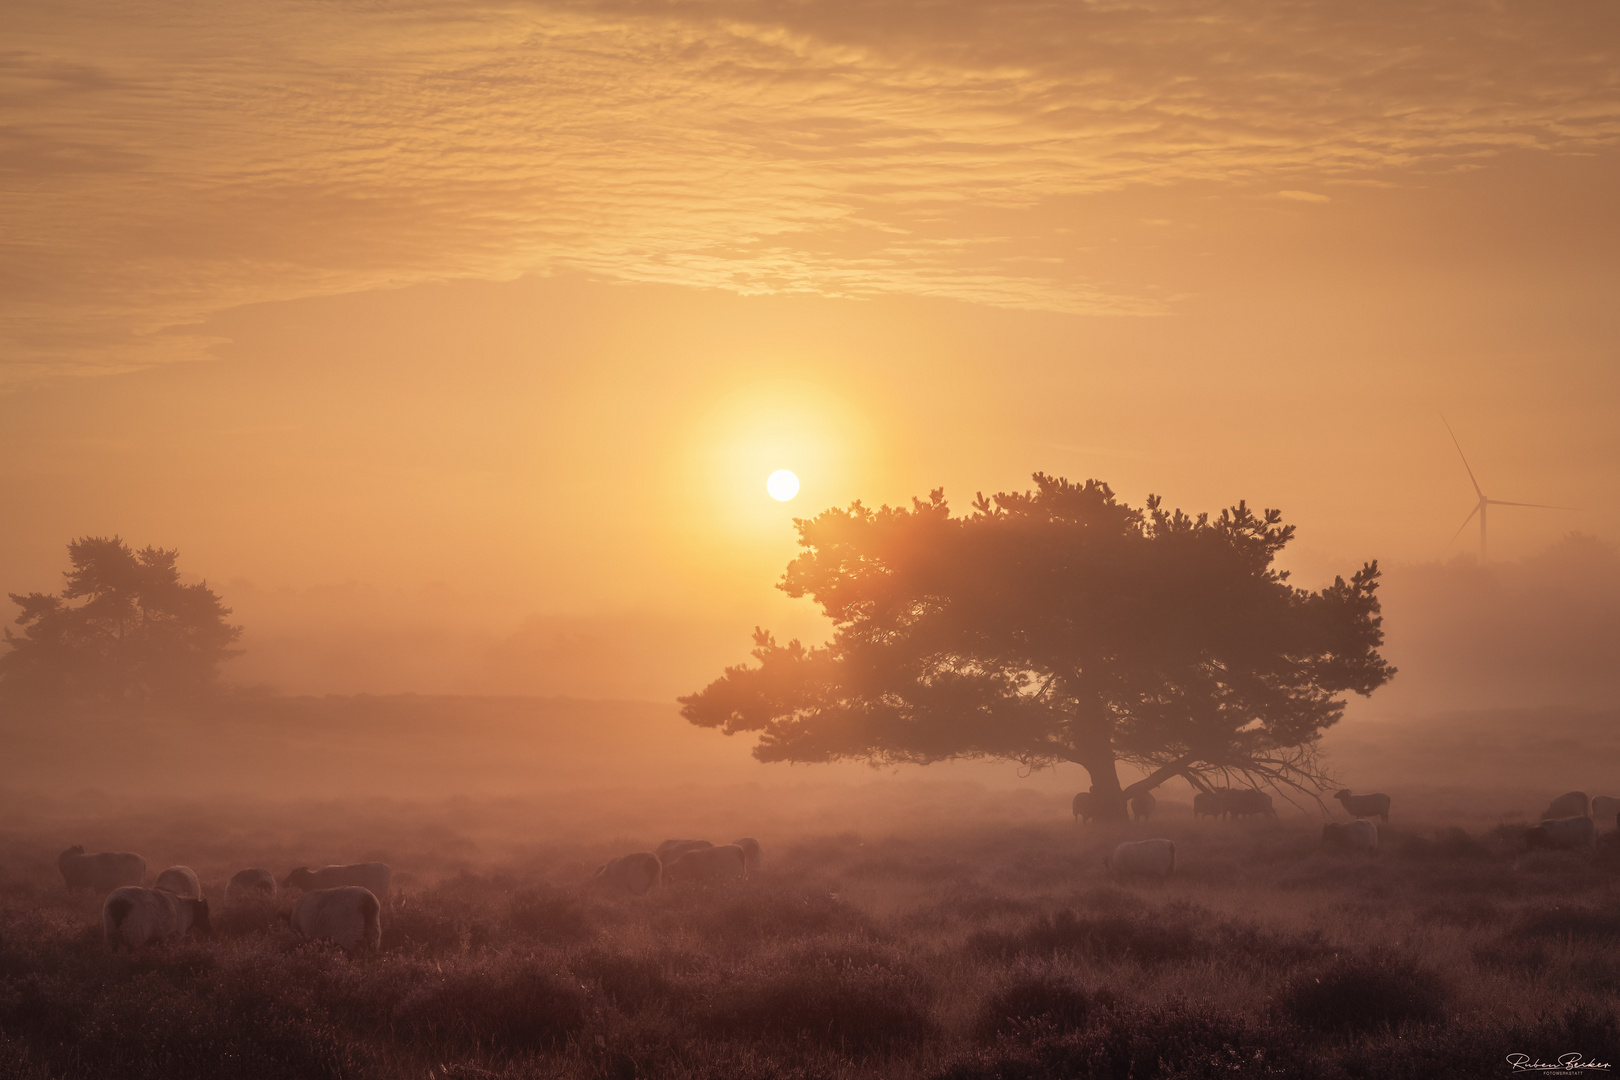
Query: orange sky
455,322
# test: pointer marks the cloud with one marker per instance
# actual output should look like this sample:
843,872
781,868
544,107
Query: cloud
1303,196
170,162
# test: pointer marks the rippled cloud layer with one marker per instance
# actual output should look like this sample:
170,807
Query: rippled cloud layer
162,162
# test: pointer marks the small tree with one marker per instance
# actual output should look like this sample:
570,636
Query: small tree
138,634
1058,625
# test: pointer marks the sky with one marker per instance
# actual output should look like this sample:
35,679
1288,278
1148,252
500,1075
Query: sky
453,343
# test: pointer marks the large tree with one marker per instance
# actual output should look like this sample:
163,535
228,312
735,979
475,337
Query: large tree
123,629
1052,625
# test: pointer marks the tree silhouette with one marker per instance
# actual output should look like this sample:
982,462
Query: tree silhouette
138,634
1058,625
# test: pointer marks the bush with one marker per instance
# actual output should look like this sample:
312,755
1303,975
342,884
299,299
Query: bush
1031,999
506,1006
857,1001
1363,993
549,916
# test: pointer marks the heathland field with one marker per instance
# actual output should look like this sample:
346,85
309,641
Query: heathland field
1001,950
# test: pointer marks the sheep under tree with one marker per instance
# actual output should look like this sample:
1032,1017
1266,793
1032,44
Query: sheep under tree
1055,625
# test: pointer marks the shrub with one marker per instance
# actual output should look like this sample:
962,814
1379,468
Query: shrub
507,1005
548,915
1032,998
1362,993
858,1001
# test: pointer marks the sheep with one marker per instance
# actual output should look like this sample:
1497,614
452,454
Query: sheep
634,873
374,876
708,864
1082,807
1209,804
1364,806
1156,858
1571,804
1605,811
1246,802
348,916
1562,834
752,853
671,850
134,916
1143,805
250,884
101,872
1359,835
181,881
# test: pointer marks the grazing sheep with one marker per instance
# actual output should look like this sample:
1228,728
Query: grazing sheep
1359,835
101,872
1562,834
251,884
1082,806
1605,811
181,881
1155,858
1209,804
634,874
374,876
1143,805
1572,804
1247,802
134,916
708,864
1364,806
670,850
752,853
348,916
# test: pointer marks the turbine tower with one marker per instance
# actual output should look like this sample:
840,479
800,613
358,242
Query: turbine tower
1485,502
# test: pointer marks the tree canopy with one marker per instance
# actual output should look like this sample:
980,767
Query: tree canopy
123,629
1058,624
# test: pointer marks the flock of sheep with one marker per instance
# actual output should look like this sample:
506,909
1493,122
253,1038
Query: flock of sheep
679,860
1570,823
342,904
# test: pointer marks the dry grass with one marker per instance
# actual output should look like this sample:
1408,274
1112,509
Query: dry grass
1002,951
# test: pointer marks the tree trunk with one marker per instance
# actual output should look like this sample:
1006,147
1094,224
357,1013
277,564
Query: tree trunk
1094,752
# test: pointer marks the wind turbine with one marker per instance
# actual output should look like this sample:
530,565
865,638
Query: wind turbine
1485,502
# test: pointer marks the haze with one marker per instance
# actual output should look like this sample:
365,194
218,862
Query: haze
453,345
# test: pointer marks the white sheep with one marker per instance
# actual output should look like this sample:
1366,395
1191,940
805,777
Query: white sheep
1605,811
752,853
101,872
181,881
708,864
1155,858
1364,806
634,873
134,916
1562,834
374,876
670,850
250,884
1143,805
1570,804
1358,835
348,916
1082,807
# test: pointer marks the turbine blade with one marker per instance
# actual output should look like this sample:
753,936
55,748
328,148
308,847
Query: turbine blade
1464,525
1538,506
1462,455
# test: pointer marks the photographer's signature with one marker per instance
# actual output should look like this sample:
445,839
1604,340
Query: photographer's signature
1566,1065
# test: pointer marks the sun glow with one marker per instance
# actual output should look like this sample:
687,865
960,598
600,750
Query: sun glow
782,485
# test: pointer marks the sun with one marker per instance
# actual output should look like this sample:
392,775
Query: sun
782,485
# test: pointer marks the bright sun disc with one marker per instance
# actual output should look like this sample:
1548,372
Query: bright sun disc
782,485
